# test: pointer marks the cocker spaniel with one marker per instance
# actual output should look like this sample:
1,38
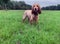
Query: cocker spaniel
32,14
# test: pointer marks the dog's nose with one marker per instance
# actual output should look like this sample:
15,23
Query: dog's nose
35,8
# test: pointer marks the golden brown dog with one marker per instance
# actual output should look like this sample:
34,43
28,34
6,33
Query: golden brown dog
32,14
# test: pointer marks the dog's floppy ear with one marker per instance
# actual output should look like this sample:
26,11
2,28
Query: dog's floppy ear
39,9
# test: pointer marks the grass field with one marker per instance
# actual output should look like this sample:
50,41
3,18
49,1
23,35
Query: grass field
13,31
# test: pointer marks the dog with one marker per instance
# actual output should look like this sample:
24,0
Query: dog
32,14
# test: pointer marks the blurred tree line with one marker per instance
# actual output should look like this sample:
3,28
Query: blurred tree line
57,7
14,5
21,5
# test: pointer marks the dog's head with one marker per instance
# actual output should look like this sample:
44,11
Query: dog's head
36,9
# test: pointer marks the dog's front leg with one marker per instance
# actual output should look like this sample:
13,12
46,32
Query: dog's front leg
31,20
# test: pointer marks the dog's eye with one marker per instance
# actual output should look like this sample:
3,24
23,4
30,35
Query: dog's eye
33,6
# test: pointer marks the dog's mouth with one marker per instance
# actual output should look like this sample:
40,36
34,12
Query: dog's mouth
35,12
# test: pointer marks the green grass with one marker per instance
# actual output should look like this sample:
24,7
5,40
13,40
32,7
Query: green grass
13,31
